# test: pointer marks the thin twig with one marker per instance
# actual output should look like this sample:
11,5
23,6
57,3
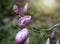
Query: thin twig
51,28
56,25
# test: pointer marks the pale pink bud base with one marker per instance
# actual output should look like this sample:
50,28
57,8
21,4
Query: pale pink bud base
48,41
28,41
57,42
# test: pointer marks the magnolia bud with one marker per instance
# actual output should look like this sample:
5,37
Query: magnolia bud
28,41
25,9
23,21
57,42
53,35
48,41
16,9
22,36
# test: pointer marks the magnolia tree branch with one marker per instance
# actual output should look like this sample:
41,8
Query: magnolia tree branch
51,28
54,26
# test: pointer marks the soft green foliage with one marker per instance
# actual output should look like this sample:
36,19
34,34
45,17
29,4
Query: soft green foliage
6,7
8,32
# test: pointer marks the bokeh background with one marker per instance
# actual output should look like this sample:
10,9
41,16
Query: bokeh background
43,18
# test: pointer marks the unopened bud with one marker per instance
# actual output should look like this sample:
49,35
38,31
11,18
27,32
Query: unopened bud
16,9
25,9
21,36
53,35
28,41
23,21
57,42
48,41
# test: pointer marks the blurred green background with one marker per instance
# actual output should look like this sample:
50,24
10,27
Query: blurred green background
40,22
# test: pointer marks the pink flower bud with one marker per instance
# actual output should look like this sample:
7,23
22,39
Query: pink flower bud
28,41
53,35
16,9
57,42
21,36
25,9
23,21
48,41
